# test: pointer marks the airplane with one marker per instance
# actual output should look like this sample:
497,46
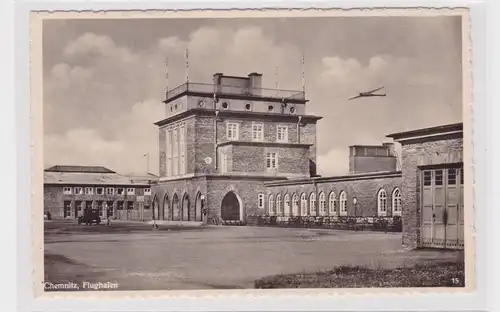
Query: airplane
368,94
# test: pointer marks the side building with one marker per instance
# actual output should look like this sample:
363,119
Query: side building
433,186
371,189
69,190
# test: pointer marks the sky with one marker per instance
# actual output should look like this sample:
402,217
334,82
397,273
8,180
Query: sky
104,80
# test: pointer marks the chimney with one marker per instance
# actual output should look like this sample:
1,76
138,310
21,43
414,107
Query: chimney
255,83
217,78
391,148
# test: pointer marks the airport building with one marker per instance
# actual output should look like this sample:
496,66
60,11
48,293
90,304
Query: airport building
69,190
231,149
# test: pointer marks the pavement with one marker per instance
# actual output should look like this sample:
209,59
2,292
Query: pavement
212,257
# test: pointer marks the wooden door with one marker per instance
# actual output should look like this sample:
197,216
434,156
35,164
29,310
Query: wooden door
442,208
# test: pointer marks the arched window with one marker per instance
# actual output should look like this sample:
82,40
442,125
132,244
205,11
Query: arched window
382,202
343,203
271,204
322,204
295,204
312,204
303,205
287,205
278,205
396,202
332,204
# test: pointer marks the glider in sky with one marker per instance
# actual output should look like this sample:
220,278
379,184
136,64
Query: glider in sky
368,94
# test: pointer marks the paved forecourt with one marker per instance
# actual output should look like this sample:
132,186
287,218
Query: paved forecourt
136,257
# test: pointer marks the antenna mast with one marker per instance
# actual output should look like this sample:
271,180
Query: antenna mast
187,65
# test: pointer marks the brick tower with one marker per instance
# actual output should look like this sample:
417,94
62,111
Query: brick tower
220,142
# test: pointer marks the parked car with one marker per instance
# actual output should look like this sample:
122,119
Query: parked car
89,217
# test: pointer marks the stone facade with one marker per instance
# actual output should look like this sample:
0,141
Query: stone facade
426,148
219,164
364,187
124,207
69,190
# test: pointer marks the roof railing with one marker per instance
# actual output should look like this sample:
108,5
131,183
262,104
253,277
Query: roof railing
235,90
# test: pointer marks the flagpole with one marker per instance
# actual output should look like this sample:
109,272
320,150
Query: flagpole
277,80
303,75
166,77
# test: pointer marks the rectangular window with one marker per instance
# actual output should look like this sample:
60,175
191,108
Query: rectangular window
272,160
110,191
99,190
130,205
175,150
67,191
89,204
109,206
232,131
223,161
282,135
100,205
261,201
452,176
182,147
439,177
119,205
130,191
89,191
78,207
78,191
427,178
462,176
67,209
169,153
257,132
147,191
120,191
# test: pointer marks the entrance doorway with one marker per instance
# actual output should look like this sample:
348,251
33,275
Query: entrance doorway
185,207
167,214
175,208
442,206
156,207
230,209
198,212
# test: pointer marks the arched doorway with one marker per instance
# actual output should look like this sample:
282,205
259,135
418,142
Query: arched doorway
197,210
175,208
167,215
185,207
231,207
156,207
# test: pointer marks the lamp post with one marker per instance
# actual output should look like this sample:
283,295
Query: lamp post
355,202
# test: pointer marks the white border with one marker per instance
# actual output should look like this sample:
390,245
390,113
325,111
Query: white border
16,139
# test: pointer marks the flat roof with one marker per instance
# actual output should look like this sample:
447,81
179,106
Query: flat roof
423,132
82,169
239,114
340,178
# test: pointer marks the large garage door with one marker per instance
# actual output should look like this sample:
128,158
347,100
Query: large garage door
442,206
